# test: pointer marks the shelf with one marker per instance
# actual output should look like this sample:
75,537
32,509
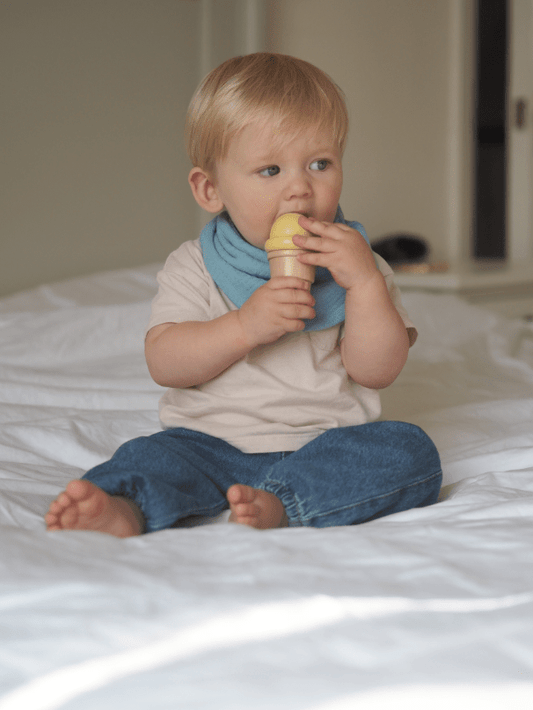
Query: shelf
503,288
475,278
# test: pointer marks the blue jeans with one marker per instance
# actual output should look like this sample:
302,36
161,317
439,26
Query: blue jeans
345,476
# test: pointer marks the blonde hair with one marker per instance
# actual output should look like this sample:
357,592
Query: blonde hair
288,92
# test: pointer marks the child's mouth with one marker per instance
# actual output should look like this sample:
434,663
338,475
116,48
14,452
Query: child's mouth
304,214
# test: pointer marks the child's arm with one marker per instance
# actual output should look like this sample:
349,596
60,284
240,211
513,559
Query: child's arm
375,346
194,352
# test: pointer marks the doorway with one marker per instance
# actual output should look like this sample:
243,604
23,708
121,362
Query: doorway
490,133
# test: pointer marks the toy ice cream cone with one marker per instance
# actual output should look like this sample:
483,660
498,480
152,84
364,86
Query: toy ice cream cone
282,252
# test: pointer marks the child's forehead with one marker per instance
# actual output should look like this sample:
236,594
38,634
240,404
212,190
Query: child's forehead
271,135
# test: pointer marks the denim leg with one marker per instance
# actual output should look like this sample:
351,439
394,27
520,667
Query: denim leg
178,474
355,474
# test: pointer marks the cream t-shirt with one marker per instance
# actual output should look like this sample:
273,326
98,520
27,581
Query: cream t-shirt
278,397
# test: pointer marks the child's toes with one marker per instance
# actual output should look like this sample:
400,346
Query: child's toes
247,510
63,501
240,494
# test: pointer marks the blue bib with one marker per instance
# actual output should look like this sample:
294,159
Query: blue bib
238,269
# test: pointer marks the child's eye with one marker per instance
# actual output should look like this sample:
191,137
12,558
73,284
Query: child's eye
319,164
270,171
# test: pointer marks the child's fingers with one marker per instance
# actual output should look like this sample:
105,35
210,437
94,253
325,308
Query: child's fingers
312,258
288,282
293,304
329,240
321,229
298,311
332,230
315,244
294,296
316,227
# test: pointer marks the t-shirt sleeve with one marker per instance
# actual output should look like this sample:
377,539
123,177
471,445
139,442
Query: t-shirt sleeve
184,288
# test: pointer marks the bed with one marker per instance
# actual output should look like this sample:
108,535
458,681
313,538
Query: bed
428,608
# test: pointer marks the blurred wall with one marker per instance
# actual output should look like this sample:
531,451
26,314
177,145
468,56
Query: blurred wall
93,172
94,92
394,61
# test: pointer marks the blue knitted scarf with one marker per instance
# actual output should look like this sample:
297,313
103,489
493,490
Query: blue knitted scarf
238,269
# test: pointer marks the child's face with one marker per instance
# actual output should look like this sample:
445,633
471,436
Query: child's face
266,175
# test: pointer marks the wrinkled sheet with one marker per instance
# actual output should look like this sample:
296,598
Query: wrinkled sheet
426,608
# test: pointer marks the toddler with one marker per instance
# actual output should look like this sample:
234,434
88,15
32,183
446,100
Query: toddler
272,396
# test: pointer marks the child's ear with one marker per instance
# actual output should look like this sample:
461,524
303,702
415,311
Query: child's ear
204,191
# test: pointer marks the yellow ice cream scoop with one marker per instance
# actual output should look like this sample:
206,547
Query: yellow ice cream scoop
283,230
283,253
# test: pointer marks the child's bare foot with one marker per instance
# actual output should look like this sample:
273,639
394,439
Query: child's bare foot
255,507
84,506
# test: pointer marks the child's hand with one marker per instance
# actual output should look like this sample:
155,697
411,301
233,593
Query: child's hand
278,307
340,249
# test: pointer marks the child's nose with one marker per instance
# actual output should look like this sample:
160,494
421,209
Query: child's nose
298,185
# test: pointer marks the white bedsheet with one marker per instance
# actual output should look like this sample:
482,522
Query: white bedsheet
427,608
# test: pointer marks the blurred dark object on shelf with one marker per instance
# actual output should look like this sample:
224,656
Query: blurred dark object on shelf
401,249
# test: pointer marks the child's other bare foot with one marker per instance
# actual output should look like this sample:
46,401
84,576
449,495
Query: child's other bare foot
255,507
84,506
